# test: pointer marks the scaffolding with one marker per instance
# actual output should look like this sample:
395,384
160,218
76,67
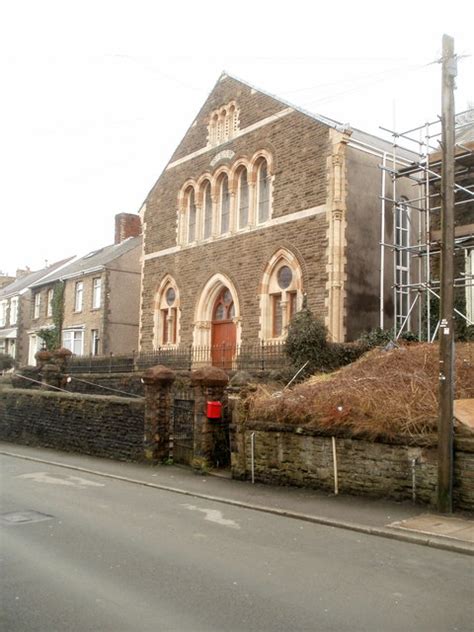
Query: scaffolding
410,248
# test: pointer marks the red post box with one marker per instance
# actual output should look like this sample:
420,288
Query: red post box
214,410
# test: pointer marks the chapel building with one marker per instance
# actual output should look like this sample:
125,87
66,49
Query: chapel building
262,205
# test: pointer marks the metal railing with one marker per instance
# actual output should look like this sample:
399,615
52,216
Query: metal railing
249,357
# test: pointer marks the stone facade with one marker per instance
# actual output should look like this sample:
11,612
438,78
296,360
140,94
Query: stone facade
315,170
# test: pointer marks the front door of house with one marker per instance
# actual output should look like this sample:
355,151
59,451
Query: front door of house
223,330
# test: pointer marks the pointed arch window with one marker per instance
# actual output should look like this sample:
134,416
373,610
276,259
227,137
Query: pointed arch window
263,192
207,204
243,193
224,204
282,295
167,315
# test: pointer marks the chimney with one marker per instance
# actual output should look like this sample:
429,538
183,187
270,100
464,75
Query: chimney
127,225
5,280
21,273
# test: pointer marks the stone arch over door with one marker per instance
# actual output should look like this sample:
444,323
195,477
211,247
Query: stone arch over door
205,320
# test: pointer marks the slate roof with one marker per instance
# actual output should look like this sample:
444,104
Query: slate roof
90,262
24,282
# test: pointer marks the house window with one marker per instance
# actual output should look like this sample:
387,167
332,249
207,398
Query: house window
402,264
207,203
167,314
49,303
263,192
243,190
36,305
14,310
191,216
96,292
224,204
282,293
73,339
3,313
79,293
94,342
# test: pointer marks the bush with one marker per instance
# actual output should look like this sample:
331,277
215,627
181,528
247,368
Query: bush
6,362
380,337
307,342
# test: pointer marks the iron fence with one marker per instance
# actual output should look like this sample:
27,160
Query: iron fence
250,357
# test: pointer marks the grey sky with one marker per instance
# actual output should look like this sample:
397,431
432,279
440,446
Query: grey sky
96,95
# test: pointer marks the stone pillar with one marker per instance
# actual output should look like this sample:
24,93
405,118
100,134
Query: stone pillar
238,390
209,384
51,375
158,404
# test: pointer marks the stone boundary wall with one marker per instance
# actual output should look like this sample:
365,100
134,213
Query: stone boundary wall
128,382
111,427
301,457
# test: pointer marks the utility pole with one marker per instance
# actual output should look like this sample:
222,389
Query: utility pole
446,341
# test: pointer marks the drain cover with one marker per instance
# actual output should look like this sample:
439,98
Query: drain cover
23,517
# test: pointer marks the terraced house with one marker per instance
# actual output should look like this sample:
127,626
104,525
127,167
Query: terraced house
99,296
260,205
16,311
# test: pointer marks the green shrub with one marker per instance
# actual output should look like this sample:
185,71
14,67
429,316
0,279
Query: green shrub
6,362
307,342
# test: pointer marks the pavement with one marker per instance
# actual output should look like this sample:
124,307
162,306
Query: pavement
404,521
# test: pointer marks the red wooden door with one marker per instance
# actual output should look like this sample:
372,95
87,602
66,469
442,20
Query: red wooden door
223,331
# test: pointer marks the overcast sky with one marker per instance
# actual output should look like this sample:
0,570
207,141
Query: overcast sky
96,95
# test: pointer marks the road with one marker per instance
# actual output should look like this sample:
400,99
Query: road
96,554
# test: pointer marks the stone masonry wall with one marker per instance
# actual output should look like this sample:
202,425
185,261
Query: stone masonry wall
285,456
299,146
243,259
110,427
98,383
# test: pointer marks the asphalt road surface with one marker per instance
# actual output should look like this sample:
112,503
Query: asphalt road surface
86,553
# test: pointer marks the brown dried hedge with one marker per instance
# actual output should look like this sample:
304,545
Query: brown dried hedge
382,395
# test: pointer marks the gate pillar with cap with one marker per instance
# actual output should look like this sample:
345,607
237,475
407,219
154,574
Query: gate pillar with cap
209,384
158,409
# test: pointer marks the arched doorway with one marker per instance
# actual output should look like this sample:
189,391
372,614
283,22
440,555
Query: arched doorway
223,330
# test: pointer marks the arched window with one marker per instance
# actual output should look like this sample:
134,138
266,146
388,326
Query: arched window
243,198
167,314
224,204
207,205
223,124
282,294
263,192
191,212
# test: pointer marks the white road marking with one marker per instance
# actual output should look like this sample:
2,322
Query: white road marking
70,481
214,515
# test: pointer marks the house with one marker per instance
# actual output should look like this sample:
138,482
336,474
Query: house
16,311
260,205
94,300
